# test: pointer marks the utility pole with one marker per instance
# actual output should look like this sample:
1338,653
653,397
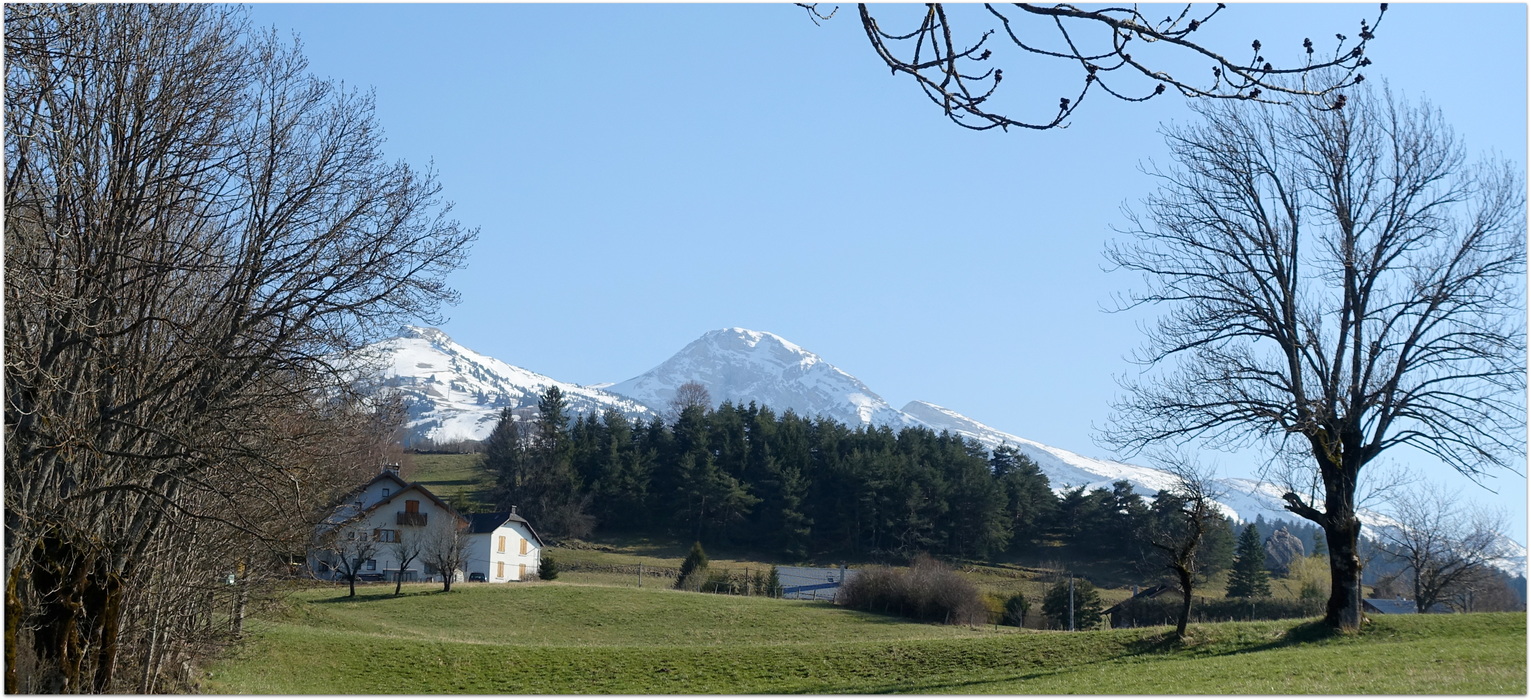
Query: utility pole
1071,603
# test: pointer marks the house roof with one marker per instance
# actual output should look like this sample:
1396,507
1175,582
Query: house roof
343,514
1391,606
486,522
489,522
384,475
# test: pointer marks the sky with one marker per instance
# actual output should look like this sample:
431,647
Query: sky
643,174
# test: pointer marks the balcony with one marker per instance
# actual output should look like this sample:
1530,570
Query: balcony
412,519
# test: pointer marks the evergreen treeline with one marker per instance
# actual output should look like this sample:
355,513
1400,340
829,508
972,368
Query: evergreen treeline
795,486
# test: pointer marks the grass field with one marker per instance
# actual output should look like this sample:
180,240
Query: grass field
561,638
457,478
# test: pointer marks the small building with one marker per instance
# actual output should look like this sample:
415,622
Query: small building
503,547
388,523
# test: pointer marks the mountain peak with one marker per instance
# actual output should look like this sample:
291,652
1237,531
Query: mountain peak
743,365
432,335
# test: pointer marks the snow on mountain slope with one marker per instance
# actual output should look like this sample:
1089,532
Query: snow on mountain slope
741,365
454,393
1242,499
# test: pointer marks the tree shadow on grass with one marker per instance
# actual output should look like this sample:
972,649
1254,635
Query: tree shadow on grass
1310,632
371,597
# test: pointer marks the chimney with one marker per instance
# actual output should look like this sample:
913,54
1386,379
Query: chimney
512,510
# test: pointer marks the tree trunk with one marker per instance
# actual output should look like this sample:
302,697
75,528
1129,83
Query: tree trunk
1344,609
1185,602
352,580
13,613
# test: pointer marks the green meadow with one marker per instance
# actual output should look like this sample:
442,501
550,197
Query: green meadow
563,638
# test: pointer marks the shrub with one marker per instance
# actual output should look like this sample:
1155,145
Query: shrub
928,591
548,569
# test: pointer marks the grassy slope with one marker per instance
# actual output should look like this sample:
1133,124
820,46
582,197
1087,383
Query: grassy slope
456,478
562,638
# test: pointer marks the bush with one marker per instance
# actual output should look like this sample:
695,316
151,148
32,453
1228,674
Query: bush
548,569
928,590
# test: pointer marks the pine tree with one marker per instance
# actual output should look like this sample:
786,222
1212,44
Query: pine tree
547,570
693,571
1016,607
1249,579
773,584
1086,606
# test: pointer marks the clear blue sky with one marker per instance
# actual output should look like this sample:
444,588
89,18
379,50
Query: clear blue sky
645,173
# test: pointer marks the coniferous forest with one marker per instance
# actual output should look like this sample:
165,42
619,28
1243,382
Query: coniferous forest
799,487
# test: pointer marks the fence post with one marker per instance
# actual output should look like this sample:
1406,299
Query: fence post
640,574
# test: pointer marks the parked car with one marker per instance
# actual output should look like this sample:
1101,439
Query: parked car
374,578
477,576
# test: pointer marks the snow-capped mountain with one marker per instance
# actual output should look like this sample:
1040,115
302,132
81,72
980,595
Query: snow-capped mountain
454,393
741,365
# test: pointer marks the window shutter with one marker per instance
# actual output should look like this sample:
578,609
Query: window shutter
374,534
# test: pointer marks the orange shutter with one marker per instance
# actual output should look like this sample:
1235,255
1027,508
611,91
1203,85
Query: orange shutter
523,546
502,543
522,577
499,571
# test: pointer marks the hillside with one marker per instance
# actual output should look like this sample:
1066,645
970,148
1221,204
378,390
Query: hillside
555,638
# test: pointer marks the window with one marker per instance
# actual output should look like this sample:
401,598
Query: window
371,565
386,492
499,569
388,535
411,506
523,546
351,535
522,577
502,543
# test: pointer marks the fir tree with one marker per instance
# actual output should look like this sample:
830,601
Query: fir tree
547,570
1249,579
693,571
1016,607
1086,605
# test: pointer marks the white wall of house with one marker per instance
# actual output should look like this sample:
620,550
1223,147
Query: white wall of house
509,553
388,524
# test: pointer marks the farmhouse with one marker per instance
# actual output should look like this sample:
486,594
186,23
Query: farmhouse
388,525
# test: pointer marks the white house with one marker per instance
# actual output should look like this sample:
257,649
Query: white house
388,521
503,547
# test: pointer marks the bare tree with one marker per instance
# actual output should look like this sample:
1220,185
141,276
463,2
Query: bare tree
348,550
692,393
1179,537
446,549
406,548
1336,284
195,228
1446,546
1121,51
